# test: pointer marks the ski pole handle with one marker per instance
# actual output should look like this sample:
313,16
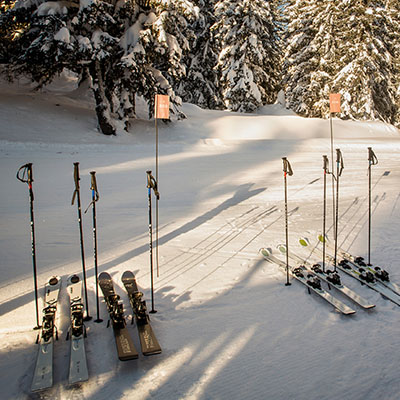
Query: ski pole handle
339,162
25,175
93,187
152,184
372,158
325,165
287,168
76,180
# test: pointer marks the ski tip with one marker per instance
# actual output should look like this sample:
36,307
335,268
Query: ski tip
104,275
127,275
74,279
265,252
282,248
54,280
304,242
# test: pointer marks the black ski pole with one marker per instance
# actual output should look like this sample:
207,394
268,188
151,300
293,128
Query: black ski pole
25,175
372,160
77,195
326,171
287,170
95,198
151,184
339,170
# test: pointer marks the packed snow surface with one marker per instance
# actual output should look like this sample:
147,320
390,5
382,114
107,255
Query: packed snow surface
228,326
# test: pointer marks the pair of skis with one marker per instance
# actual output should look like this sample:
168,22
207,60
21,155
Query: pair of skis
375,278
78,372
125,347
331,277
310,280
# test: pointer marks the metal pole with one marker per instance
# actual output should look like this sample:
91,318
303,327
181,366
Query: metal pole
339,169
372,160
286,170
95,198
27,177
326,170
151,184
77,194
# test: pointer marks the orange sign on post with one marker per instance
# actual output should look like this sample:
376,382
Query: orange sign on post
334,102
162,106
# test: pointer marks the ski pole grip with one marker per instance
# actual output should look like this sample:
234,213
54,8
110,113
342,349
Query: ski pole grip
372,158
325,164
152,184
287,168
27,173
93,186
76,180
339,161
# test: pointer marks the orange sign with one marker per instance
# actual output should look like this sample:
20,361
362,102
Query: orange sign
334,102
162,106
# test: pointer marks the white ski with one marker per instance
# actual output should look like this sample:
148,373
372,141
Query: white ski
327,278
353,270
78,371
43,375
298,273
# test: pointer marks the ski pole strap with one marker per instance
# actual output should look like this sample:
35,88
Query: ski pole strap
76,180
339,162
325,164
25,175
152,184
287,168
372,158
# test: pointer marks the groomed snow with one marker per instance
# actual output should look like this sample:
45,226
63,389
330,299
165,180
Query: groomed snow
228,326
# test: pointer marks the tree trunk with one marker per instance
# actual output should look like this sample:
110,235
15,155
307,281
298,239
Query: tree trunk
102,104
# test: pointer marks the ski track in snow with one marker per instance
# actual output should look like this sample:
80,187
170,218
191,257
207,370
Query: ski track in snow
228,327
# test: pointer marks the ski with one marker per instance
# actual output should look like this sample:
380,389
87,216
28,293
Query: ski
78,371
380,274
363,276
43,375
331,277
311,281
148,341
125,347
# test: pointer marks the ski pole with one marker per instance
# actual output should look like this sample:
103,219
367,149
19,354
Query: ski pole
287,170
151,184
95,198
372,160
326,171
25,175
77,195
339,170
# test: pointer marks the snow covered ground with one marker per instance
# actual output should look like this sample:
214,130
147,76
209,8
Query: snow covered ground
228,326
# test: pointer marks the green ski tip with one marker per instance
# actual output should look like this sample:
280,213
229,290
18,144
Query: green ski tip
265,252
282,248
322,238
303,242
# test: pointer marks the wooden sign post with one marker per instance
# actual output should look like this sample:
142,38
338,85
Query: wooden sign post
161,111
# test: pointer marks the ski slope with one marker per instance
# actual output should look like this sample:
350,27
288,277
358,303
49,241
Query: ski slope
228,326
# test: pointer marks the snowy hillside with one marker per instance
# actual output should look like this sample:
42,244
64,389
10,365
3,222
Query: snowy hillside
228,326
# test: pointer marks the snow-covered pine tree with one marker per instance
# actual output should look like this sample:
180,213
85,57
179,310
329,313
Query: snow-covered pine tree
249,60
393,14
200,86
339,46
125,48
